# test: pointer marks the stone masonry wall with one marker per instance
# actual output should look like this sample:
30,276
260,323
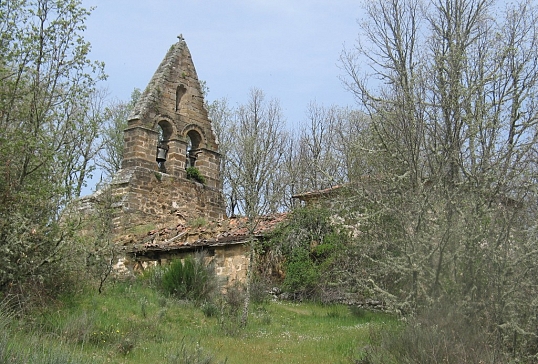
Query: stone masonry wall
170,116
230,263
173,100
146,198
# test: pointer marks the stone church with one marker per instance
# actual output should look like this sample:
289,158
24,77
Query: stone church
161,213
168,131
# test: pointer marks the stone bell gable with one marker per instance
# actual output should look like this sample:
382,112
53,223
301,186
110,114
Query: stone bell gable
170,115
168,131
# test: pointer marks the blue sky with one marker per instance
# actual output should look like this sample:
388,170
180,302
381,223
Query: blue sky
287,48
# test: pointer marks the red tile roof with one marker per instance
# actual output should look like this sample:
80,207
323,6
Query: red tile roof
213,233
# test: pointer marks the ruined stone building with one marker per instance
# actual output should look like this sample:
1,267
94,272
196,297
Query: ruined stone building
168,131
160,213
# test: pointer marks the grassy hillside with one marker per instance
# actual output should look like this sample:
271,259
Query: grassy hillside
133,323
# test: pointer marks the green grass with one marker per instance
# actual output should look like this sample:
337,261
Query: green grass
132,323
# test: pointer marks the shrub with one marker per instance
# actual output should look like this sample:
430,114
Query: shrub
194,173
308,245
191,354
189,279
172,279
302,274
438,335
210,309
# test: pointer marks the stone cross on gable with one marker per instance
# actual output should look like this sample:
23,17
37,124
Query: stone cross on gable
162,130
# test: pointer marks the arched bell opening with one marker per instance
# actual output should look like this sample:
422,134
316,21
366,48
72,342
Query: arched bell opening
193,146
164,128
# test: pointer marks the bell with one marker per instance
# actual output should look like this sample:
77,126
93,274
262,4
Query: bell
161,154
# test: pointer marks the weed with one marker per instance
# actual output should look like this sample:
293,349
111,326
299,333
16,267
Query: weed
231,305
163,302
110,328
333,312
152,277
80,328
18,347
259,291
162,313
189,279
357,311
197,222
141,229
234,298
210,309
194,174
191,354
263,316
266,319
143,307
126,345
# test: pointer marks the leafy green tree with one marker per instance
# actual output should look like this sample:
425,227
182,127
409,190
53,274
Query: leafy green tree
45,139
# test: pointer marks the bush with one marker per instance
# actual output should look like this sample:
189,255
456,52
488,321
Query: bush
210,309
189,279
302,274
194,173
308,244
438,335
191,354
259,290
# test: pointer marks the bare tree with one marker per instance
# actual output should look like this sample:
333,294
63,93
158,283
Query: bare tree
86,144
332,146
257,153
290,174
115,116
352,148
316,147
221,116
453,128
254,159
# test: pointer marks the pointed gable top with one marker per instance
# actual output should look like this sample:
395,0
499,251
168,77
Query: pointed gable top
169,126
173,89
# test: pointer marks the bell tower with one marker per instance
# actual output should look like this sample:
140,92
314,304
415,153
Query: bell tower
169,131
